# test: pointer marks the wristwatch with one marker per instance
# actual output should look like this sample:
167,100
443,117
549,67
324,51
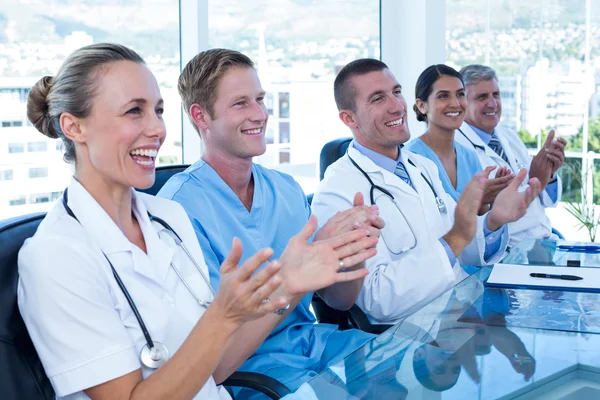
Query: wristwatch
553,178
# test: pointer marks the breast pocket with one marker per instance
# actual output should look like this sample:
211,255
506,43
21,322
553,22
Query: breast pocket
398,235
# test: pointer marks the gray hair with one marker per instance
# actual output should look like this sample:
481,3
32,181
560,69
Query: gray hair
72,89
475,73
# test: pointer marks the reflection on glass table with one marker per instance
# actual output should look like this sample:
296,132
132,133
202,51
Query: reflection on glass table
552,252
477,343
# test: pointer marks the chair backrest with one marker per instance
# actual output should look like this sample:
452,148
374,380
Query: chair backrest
331,152
163,173
22,376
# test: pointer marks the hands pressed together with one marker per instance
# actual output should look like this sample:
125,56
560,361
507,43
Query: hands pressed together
509,205
495,185
549,159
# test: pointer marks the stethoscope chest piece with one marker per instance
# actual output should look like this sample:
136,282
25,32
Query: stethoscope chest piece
441,205
154,357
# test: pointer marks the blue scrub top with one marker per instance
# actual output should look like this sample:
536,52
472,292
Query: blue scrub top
279,211
467,165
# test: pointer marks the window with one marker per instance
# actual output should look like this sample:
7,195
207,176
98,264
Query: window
26,55
37,146
8,124
284,105
536,51
40,198
41,172
284,132
547,77
6,175
16,148
297,53
17,201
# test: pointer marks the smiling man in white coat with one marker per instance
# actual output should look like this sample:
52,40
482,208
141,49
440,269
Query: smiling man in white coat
427,235
497,145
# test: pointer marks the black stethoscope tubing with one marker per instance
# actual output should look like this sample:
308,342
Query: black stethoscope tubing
385,191
135,310
482,148
475,146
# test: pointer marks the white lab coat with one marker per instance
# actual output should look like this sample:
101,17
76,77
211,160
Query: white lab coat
82,326
535,223
398,285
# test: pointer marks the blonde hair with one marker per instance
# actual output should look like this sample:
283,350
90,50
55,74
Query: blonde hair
72,90
200,78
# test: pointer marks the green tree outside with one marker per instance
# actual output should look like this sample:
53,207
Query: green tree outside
571,171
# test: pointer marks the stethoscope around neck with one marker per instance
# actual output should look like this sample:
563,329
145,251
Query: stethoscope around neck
475,146
438,201
482,148
153,354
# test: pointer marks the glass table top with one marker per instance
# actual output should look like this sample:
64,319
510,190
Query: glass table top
551,252
474,342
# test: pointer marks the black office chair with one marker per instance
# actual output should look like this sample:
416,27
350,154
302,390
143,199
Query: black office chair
331,152
355,317
23,376
352,318
162,175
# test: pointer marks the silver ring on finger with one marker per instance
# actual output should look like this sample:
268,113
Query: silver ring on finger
342,265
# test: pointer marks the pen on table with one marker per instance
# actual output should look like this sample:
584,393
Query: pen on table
552,276
580,248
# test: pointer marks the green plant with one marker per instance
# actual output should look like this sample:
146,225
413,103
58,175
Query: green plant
581,208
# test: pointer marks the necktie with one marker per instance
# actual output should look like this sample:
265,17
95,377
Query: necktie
402,173
497,147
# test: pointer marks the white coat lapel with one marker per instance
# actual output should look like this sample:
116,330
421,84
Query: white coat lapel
160,254
474,137
512,159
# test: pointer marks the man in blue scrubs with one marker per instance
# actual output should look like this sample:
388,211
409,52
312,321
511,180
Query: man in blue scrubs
226,195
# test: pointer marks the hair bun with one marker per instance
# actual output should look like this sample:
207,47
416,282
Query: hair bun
420,116
37,107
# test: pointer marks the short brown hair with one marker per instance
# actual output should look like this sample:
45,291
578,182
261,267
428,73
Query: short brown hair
343,91
200,78
72,90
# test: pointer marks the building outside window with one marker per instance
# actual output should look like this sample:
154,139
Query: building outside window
35,38
17,201
40,198
40,172
16,148
548,78
6,175
37,146
297,55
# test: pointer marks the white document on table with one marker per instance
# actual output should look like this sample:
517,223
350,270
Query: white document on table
518,277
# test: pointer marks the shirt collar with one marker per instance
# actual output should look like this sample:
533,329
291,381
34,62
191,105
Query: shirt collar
107,235
483,135
379,159
96,222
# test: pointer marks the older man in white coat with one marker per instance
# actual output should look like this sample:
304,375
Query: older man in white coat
497,145
427,236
